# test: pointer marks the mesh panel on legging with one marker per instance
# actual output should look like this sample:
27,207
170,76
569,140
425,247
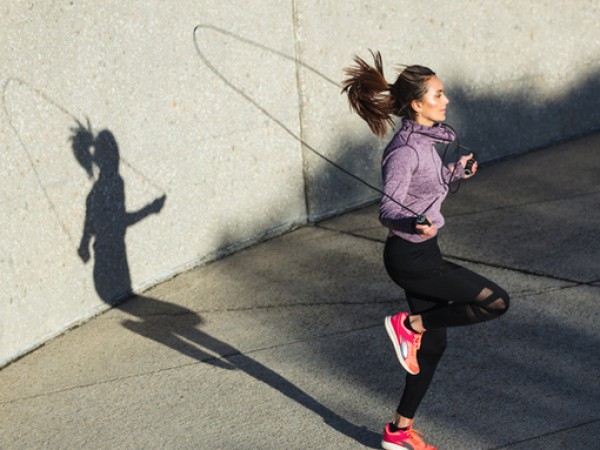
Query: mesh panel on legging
491,301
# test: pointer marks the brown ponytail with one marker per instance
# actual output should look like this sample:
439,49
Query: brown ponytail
373,99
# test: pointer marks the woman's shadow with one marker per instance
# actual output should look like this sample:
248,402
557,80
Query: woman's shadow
106,223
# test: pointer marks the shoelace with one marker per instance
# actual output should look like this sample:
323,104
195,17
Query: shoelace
416,435
417,340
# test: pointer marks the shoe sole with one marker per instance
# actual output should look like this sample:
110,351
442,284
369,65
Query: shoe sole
392,335
389,446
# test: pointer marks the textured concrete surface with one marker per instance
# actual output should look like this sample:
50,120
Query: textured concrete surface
215,108
282,345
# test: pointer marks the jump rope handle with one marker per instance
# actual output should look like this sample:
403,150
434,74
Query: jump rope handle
422,220
469,165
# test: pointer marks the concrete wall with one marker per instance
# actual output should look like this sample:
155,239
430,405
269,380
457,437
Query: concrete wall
203,136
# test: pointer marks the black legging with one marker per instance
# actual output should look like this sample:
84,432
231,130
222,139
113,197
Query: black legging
445,295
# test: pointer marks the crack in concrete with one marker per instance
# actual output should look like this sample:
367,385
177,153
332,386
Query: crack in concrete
550,433
268,307
296,305
522,271
519,205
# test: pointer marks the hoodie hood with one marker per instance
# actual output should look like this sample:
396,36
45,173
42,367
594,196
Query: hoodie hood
439,132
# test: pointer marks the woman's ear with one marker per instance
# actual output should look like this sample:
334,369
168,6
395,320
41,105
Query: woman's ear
416,105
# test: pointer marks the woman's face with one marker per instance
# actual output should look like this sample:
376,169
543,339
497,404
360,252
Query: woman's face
432,107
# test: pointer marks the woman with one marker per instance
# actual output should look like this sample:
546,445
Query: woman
440,294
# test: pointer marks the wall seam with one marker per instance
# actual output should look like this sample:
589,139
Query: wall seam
296,39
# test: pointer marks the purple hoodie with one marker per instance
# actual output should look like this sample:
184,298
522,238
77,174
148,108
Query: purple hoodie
414,175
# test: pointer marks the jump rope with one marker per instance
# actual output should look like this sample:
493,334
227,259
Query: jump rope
419,217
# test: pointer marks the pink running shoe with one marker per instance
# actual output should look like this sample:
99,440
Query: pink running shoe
404,440
406,342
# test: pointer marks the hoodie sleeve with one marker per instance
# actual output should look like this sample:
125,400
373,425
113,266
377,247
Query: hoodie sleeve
397,168
454,171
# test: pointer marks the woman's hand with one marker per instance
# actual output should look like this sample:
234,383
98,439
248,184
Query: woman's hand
158,204
84,252
463,161
426,231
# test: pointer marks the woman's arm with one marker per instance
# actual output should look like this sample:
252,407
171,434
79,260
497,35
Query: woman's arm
151,208
397,171
88,229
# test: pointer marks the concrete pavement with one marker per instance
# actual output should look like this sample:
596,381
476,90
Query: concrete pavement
282,346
